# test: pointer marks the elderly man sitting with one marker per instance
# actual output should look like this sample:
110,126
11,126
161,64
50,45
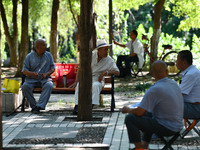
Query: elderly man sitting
102,65
164,102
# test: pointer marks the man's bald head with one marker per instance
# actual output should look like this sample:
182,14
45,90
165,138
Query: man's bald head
159,69
40,41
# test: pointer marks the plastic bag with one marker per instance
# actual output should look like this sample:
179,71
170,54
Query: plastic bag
11,86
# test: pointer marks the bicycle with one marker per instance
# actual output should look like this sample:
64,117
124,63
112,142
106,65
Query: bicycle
169,58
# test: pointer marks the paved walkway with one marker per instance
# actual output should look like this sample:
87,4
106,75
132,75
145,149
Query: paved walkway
31,125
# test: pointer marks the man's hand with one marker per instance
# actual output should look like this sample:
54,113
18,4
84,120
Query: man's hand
47,74
101,76
133,54
44,75
138,111
73,85
35,75
126,109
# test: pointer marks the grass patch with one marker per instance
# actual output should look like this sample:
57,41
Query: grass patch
142,86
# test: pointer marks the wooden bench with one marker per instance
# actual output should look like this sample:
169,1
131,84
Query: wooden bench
107,89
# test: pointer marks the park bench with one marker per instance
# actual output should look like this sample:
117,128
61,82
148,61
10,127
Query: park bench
59,89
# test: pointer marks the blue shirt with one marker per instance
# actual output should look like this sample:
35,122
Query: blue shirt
165,101
35,63
190,84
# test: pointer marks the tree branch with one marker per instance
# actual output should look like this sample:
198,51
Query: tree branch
5,24
70,6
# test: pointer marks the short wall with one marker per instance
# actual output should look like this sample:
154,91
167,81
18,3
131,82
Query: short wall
11,101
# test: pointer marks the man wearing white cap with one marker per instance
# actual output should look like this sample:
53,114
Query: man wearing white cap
102,65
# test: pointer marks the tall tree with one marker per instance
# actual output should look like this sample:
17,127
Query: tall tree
54,30
110,26
24,37
85,72
11,38
157,28
1,138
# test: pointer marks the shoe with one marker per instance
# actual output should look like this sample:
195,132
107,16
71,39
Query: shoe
94,106
36,110
75,111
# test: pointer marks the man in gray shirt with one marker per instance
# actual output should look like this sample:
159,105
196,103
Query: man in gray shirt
164,102
38,66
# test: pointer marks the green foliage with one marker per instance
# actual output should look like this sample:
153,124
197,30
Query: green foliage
190,10
143,86
187,14
102,25
176,42
196,50
40,19
126,5
123,88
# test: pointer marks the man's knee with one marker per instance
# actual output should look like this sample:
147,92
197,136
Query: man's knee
129,119
48,85
25,87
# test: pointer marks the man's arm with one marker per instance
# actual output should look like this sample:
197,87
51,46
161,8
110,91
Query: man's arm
105,73
133,54
30,73
47,74
136,111
121,45
76,80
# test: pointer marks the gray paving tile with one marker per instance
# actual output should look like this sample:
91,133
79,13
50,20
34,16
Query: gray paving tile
116,135
52,132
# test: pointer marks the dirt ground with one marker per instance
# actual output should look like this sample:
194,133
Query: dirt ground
122,83
129,86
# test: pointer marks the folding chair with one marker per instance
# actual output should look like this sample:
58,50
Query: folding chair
168,142
190,125
134,67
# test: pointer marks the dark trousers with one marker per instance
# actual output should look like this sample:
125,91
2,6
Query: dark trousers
147,125
127,70
191,111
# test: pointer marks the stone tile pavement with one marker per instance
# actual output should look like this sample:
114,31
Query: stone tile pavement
30,125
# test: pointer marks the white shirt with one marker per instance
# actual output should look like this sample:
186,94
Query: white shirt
190,85
105,64
137,47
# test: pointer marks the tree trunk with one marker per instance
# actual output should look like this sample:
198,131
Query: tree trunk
12,41
85,71
54,31
110,27
1,138
157,29
24,37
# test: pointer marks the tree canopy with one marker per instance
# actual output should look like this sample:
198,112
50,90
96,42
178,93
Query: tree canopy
126,15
